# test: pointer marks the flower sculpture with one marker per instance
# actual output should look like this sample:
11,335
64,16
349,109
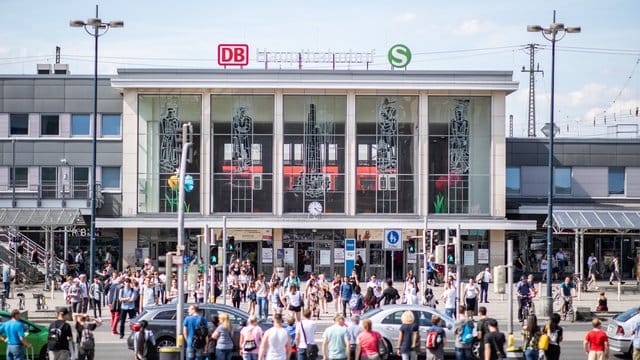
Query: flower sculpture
172,196
441,185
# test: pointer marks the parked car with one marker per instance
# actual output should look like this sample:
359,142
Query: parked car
37,335
162,321
387,321
619,330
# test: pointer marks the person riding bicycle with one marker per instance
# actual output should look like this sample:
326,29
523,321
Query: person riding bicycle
524,297
567,288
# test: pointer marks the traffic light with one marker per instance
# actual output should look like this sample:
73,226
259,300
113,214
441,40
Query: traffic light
213,255
411,245
451,254
231,243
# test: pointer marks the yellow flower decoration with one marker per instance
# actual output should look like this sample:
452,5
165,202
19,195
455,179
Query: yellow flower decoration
173,182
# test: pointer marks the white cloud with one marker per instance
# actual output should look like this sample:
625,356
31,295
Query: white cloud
405,17
472,27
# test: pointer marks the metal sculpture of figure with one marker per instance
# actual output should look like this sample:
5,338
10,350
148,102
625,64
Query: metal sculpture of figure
170,141
387,155
459,139
242,128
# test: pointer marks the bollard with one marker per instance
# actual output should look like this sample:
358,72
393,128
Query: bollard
169,353
619,291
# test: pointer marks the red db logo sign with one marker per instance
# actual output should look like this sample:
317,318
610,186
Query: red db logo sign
233,54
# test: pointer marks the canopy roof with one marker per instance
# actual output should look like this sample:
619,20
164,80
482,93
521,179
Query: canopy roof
40,217
597,219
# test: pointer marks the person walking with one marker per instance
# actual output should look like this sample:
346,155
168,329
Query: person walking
96,292
59,349
147,295
436,351
485,280
544,265
596,343
85,341
471,292
144,343
189,326
250,339
409,337
113,301
127,300
6,279
432,271
13,331
390,295
335,290
293,301
335,341
275,344
482,328
353,330
346,291
494,342
554,331
531,334
615,270
462,345
368,342
449,296
262,292
223,335
305,337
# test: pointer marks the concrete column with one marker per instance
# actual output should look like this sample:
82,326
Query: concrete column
496,247
278,138
350,145
130,152
129,244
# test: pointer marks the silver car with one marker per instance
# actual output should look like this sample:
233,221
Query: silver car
387,321
619,330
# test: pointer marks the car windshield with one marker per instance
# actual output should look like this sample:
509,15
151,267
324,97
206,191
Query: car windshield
625,316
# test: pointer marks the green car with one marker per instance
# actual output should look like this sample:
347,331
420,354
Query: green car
37,336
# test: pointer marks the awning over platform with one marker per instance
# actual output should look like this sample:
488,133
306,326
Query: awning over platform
41,217
321,222
596,219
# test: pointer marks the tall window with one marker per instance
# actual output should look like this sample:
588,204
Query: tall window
160,120
385,157
513,180
562,180
19,124
19,177
616,180
49,124
313,147
459,154
242,153
111,177
111,124
49,182
80,125
81,186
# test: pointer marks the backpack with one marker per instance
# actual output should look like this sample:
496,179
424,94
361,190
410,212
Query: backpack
467,333
87,342
434,339
200,335
356,303
53,340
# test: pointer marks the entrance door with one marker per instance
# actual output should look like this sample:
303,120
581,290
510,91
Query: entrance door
323,263
377,262
305,259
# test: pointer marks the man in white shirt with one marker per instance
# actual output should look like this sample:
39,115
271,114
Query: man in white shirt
484,284
305,336
593,260
449,297
147,295
562,261
375,285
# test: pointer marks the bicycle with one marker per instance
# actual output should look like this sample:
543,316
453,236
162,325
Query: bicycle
567,309
527,310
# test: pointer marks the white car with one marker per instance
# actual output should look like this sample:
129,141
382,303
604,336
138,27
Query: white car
619,330
387,321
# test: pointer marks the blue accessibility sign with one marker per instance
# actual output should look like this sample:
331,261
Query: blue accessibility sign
393,239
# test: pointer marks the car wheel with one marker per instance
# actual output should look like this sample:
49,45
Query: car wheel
475,349
165,342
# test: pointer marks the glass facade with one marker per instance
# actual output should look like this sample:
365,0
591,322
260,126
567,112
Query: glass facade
459,154
160,120
385,128
313,153
242,153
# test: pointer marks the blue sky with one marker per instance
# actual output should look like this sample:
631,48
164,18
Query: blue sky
593,68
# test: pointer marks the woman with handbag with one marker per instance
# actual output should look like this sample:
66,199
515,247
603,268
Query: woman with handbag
368,343
305,337
250,338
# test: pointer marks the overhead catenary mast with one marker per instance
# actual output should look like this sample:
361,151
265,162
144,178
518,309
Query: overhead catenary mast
532,89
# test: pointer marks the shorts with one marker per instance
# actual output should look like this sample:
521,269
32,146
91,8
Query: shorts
294,308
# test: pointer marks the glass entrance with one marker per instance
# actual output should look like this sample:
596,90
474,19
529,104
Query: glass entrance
324,258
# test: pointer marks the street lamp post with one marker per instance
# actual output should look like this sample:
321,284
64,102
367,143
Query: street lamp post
554,33
95,27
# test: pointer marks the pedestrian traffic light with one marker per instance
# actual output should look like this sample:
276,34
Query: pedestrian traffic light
451,254
411,245
231,243
213,255
451,259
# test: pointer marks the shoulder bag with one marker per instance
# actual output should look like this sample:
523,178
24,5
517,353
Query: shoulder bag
312,349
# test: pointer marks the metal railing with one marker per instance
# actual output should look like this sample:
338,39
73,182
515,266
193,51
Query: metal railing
29,245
